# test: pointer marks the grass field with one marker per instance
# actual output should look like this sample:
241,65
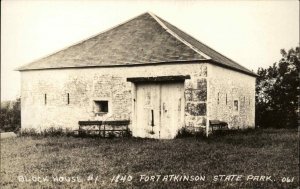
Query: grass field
274,153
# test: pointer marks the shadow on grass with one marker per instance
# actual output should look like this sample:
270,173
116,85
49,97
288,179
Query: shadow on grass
252,138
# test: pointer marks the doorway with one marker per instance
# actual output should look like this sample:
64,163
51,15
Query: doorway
158,109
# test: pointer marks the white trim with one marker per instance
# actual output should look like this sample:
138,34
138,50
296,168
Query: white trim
208,101
179,38
134,107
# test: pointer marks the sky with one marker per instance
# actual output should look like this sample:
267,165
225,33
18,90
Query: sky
249,32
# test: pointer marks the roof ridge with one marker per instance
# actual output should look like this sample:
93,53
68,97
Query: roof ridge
79,42
177,36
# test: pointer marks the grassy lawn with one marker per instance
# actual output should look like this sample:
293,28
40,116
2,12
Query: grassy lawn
271,153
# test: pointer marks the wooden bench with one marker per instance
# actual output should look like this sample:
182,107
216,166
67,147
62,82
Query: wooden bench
103,128
218,125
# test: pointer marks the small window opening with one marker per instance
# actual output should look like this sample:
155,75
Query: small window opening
101,106
236,105
45,98
218,98
249,100
226,98
68,98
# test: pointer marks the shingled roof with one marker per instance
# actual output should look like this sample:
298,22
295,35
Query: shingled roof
146,39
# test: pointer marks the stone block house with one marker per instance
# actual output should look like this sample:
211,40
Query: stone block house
145,70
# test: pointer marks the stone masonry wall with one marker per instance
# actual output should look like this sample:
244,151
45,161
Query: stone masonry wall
45,93
226,86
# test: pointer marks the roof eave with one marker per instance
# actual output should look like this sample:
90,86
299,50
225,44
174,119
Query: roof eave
119,65
232,68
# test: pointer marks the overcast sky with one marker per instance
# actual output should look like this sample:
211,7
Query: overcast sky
249,32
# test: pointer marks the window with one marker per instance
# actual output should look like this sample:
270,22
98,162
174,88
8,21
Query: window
218,98
45,99
68,98
226,98
101,106
236,105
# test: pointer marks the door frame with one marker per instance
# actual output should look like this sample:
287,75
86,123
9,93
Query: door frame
160,79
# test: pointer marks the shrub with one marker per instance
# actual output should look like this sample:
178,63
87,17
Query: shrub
184,132
49,132
127,134
111,135
29,132
52,132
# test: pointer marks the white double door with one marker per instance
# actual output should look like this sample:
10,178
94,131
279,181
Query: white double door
159,110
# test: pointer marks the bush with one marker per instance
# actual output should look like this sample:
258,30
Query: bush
52,132
29,132
49,132
111,135
127,134
184,132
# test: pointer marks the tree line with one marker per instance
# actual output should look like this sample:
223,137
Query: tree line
277,92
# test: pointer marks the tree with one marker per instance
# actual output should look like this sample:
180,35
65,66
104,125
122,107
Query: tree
10,116
277,92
